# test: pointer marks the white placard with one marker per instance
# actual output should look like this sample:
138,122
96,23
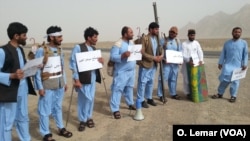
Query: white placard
195,59
239,74
135,52
174,57
53,65
31,67
88,60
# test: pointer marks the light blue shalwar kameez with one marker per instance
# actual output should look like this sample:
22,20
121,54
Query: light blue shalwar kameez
234,55
51,102
14,112
170,71
123,77
86,94
146,77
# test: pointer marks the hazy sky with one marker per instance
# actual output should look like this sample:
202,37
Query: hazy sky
107,16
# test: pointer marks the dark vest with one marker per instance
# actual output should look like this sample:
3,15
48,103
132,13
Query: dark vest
11,64
85,77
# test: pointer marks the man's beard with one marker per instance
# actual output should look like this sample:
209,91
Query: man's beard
155,34
129,38
22,42
57,43
236,37
191,40
92,43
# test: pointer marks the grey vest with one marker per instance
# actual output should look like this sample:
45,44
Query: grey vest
54,83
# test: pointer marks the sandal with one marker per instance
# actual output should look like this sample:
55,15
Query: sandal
90,123
131,107
176,97
65,133
216,96
81,126
48,137
117,115
232,99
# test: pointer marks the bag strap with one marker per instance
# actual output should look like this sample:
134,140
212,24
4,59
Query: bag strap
166,43
165,46
177,42
46,53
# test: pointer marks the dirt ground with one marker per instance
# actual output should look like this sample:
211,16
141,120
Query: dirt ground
159,120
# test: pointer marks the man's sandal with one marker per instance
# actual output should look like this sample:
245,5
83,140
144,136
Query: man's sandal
48,137
81,126
63,132
117,115
90,123
216,96
232,99
176,97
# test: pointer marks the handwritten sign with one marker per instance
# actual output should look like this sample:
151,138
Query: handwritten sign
238,74
174,57
31,67
135,52
88,60
195,59
53,65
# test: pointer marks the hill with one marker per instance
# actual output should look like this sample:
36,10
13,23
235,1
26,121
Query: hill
220,24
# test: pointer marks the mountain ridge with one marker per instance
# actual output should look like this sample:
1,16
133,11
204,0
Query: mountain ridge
219,25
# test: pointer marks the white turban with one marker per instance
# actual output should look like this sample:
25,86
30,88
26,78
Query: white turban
54,34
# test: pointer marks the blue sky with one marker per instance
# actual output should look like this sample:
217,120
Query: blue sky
107,16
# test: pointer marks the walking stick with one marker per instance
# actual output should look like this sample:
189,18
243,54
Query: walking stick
103,79
164,100
69,105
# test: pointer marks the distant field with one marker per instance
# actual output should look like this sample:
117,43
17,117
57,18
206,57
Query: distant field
215,44
206,44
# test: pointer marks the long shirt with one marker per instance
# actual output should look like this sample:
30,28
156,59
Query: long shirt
234,55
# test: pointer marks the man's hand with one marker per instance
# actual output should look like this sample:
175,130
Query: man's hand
219,66
41,92
101,60
19,74
77,84
243,67
191,62
65,88
158,58
141,51
125,54
200,62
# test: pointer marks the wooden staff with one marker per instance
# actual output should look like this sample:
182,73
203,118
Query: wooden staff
68,113
103,79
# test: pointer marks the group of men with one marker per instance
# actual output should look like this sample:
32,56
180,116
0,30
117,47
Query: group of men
152,54
234,55
52,86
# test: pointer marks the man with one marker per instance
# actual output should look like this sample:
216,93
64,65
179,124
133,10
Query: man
170,70
193,60
14,87
124,72
85,82
151,55
50,82
234,55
